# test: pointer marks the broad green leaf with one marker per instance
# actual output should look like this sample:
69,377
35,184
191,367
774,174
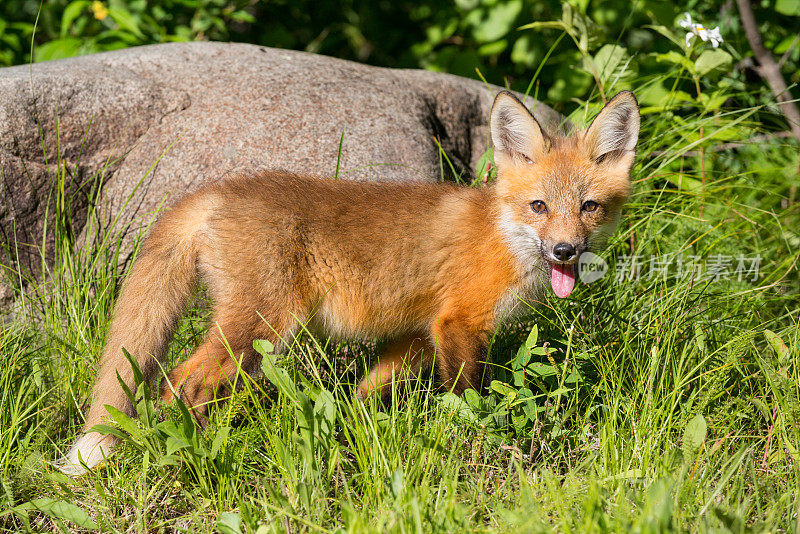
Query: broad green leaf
524,52
711,60
325,411
582,28
685,182
694,435
787,7
126,21
71,12
542,370
243,16
492,49
785,44
554,24
277,375
58,49
457,405
106,429
676,59
60,510
174,444
612,62
713,101
229,523
501,387
777,344
264,346
220,438
429,443
498,22
123,421
473,399
533,337
669,34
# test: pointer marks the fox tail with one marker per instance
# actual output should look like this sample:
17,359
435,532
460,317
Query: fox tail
145,316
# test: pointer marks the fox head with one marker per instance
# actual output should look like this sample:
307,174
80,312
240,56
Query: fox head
561,196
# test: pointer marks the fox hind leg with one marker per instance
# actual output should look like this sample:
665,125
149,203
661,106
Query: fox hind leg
215,364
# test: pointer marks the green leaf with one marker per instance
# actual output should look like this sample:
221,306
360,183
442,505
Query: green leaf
277,375
106,429
219,439
676,59
501,387
533,337
71,12
542,370
325,412
456,404
493,49
229,523
582,28
264,346
669,34
243,16
612,62
123,421
473,399
60,510
498,22
58,49
685,182
126,21
525,52
554,24
711,60
428,442
777,344
787,7
694,435
175,444
713,101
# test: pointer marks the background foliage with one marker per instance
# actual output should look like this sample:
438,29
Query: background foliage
641,403
459,36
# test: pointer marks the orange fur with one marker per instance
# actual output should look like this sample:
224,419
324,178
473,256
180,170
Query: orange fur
435,266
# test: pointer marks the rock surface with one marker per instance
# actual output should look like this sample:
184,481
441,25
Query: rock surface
153,122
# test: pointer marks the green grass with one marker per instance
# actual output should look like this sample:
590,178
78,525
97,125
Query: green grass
651,404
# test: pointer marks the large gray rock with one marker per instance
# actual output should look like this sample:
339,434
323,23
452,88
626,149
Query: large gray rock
153,122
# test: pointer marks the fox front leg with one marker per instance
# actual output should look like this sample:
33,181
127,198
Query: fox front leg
461,351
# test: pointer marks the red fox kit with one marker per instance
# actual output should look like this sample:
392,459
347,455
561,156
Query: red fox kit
435,267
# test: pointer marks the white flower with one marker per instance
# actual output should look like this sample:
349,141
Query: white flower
701,31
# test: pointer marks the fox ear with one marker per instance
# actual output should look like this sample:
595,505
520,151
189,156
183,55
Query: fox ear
515,133
613,134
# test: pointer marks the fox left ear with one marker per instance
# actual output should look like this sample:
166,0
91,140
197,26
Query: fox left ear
613,134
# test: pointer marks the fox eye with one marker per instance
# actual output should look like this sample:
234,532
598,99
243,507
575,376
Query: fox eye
589,206
538,206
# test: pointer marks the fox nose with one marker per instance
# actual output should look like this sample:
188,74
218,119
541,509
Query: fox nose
564,251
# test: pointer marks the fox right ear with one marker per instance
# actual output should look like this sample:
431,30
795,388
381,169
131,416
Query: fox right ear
515,133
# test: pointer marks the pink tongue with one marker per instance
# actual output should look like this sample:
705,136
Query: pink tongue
562,279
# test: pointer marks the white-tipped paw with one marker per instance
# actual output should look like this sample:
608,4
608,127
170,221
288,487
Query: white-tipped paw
86,453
